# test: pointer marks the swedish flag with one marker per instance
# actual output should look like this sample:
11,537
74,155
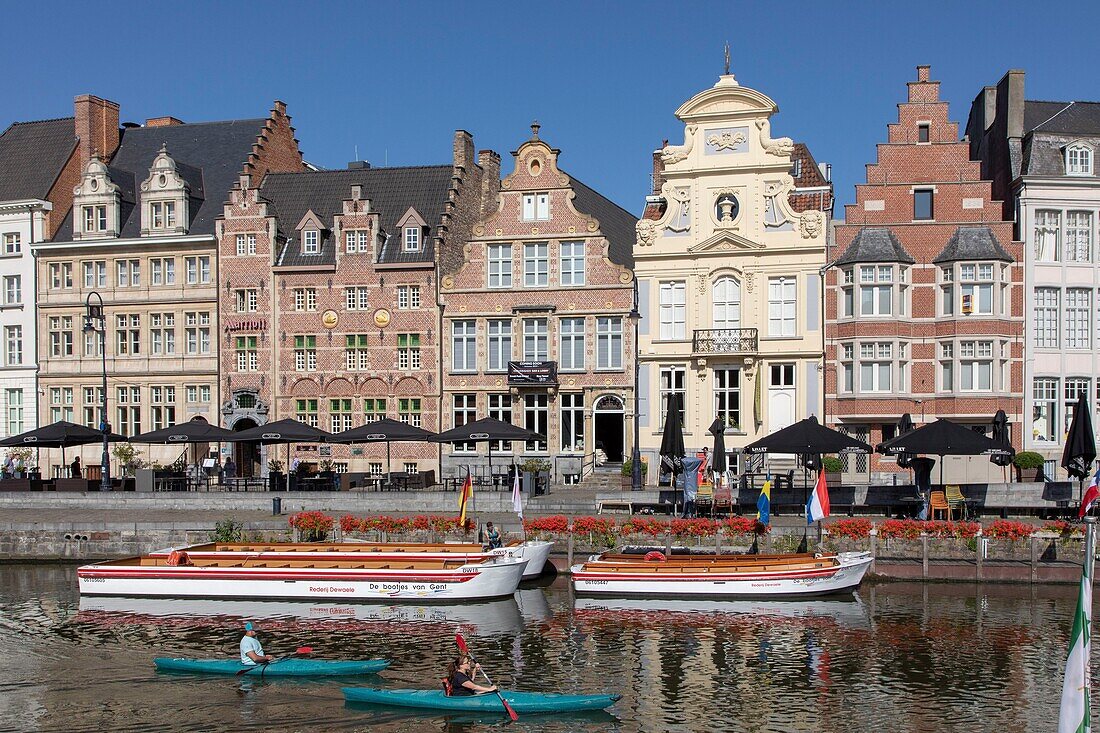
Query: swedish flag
764,502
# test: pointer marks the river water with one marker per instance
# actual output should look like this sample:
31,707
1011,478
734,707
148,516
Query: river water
897,657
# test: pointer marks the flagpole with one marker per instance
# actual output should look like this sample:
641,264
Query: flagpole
1075,713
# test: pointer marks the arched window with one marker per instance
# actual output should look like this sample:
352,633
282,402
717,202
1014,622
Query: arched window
1078,160
726,296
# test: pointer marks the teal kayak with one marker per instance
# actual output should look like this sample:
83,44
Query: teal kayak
278,668
521,702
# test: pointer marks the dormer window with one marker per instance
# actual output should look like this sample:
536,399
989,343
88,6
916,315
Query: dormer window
164,196
311,242
1078,160
163,214
412,239
95,219
95,203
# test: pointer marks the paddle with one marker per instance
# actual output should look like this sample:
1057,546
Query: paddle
263,665
465,650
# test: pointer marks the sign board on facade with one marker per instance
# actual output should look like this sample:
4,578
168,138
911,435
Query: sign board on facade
532,372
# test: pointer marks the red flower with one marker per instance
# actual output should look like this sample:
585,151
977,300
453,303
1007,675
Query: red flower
852,529
593,525
1009,530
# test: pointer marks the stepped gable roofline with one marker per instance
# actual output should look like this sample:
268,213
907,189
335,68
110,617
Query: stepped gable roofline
32,156
972,242
874,244
391,191
725,99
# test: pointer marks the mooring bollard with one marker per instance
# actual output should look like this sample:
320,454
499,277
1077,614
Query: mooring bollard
924,554
569,550
276,505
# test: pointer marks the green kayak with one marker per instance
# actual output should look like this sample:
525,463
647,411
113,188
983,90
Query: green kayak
278,668
521,702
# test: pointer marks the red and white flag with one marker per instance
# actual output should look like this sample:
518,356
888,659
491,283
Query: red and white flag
1092,493
817,507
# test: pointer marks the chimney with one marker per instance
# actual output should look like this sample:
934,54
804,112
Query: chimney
658,171
923,71
489,161
356,192
358,165
162,122
96,127
463,150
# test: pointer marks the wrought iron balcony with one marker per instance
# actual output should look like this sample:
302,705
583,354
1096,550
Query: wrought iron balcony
724,341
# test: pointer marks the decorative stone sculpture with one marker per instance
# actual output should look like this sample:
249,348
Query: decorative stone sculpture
676,153
778,146
810,224
646,230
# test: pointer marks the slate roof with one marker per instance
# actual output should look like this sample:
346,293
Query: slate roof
1049,127
972,242
874,244
32,155
616,223
208,155
392,191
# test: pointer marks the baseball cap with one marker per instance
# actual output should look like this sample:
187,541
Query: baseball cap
248,626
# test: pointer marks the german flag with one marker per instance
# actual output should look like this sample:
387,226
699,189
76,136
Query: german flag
464,496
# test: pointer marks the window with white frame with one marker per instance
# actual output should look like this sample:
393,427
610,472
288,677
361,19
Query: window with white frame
408,297
128,400
1078,160
672,382
726,303
947,366
306,411
93,343
609,342
128,273
408,351
536,206
13,289
93,405
13,399
572,422
340,414
976,366
305,353
464,346
782,302
162,333
1078,318
311,242
95,218
500,408
876,362
1078,240
357,299
1045,314
247,300
536,272
1044,409
847,293
464,411
162,406
500,344
356,354
535,344
357,240
95,274
976,284
727,396
876,290
61,335
846,353
198,393
164,270
61,275
248,357
1073,389
499,258
198,270
536,414
571,351
12,246
374,409
673,310
1048,233
412,239
13,346
305,299
242,246
409,412
572,263
197,331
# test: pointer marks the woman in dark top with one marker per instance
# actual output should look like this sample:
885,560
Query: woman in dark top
460,674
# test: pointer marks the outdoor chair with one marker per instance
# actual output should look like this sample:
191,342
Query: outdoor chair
723,500
704,499
938,503
956,500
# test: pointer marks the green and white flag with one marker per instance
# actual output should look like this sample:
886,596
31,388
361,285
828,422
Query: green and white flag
1074,716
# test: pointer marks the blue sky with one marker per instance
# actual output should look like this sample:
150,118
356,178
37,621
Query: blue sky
603,78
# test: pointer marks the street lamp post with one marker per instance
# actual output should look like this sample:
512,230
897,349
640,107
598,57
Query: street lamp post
95,321
636,454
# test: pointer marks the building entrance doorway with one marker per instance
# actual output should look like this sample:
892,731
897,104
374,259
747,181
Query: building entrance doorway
609,426
246,455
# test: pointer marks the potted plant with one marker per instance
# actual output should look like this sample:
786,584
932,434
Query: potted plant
833,468
628,472
531,469
128,457
276,479
22,458
1028,465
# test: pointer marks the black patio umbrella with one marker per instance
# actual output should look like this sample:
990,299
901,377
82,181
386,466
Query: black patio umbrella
941,438
905,425
718,455
386,430
195,430
61,434
808,436
487,429
672,444
1079,455
1002,436
285,431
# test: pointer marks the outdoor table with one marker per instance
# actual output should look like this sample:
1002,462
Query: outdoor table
396,481
912,504
170,483
315,483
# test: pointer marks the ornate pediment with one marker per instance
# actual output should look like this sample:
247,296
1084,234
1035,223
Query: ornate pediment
725,241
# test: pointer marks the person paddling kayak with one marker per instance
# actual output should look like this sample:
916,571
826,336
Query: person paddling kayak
251,651
460,674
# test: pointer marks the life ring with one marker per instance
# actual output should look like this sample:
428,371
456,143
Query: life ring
179,557
655,556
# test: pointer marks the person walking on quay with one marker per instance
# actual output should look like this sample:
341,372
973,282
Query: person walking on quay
229,470
251,651
8,470
74,468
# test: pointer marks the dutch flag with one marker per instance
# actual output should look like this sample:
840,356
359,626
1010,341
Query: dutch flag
817,507
1092,493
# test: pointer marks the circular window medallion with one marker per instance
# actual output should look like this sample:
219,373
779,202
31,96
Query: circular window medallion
381,318
94,184
329,319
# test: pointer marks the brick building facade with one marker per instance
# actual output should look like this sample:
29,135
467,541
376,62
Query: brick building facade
535,327
924,298
328,302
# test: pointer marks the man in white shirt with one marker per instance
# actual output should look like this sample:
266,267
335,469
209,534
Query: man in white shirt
251,651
